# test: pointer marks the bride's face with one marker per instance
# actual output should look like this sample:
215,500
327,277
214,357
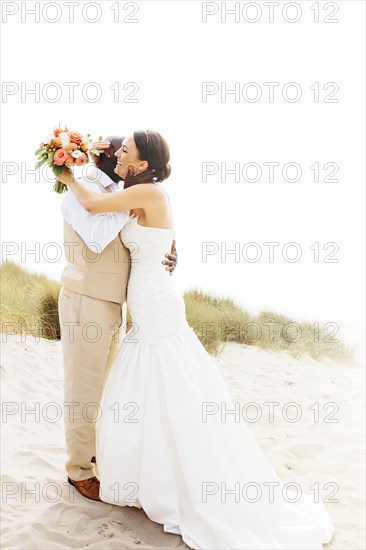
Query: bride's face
128,159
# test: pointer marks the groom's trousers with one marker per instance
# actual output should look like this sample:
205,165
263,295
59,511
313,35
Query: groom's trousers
91,335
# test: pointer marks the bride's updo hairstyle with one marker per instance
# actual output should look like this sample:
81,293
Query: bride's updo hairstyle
153,148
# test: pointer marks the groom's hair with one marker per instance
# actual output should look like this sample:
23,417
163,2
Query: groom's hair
108,161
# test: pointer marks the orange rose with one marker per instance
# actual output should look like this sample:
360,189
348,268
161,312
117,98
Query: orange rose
58,131
72,147
75,137
60,157
81,160
56,142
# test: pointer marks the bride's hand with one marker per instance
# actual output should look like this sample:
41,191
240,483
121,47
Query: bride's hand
65,177
101,146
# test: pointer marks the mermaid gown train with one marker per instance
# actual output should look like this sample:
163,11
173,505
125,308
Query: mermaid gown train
161,442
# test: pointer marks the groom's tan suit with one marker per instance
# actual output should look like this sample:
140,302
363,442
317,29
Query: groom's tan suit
90,312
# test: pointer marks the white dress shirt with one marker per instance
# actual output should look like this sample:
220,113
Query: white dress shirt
94,229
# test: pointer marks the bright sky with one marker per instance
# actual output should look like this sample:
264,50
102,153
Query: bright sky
176,68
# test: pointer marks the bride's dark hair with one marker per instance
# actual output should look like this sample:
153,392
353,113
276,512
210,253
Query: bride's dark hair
153,148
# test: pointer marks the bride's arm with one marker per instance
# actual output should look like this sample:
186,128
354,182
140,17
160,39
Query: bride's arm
137,196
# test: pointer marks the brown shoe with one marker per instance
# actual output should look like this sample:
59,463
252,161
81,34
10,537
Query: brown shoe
89,488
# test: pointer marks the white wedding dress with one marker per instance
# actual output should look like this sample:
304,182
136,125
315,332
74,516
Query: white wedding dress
202,478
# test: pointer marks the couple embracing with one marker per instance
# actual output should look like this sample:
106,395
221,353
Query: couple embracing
140,421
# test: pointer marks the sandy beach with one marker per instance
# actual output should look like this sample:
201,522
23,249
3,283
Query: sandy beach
313,438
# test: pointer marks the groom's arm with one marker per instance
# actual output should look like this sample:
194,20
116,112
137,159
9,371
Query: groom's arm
172,259
92,228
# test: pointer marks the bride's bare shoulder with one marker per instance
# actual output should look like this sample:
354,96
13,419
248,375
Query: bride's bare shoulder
162,190
154,190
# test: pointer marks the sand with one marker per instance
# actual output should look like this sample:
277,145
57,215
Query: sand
325,446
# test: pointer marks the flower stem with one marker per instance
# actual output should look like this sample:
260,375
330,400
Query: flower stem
60,187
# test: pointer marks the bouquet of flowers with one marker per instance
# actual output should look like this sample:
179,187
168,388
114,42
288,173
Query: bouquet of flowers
64,149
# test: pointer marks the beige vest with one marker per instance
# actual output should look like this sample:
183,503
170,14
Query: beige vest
99,275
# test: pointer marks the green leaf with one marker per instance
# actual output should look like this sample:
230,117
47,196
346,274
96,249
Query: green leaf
57,170
39,151
50,156
41,163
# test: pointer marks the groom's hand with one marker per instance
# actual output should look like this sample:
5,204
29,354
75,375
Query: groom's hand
102,146
172,259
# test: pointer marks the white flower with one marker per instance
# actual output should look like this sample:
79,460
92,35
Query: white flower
76,154
65,141
48,140
86,142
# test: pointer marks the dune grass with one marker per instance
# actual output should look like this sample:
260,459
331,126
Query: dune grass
217,320
29,302
29,305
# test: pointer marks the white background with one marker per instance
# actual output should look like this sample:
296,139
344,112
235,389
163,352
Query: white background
169,52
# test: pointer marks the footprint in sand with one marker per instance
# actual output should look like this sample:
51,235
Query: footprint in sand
102,530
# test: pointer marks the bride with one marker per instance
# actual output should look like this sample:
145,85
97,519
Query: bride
161,445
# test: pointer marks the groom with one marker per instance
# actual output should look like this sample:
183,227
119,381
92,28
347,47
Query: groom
94,283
